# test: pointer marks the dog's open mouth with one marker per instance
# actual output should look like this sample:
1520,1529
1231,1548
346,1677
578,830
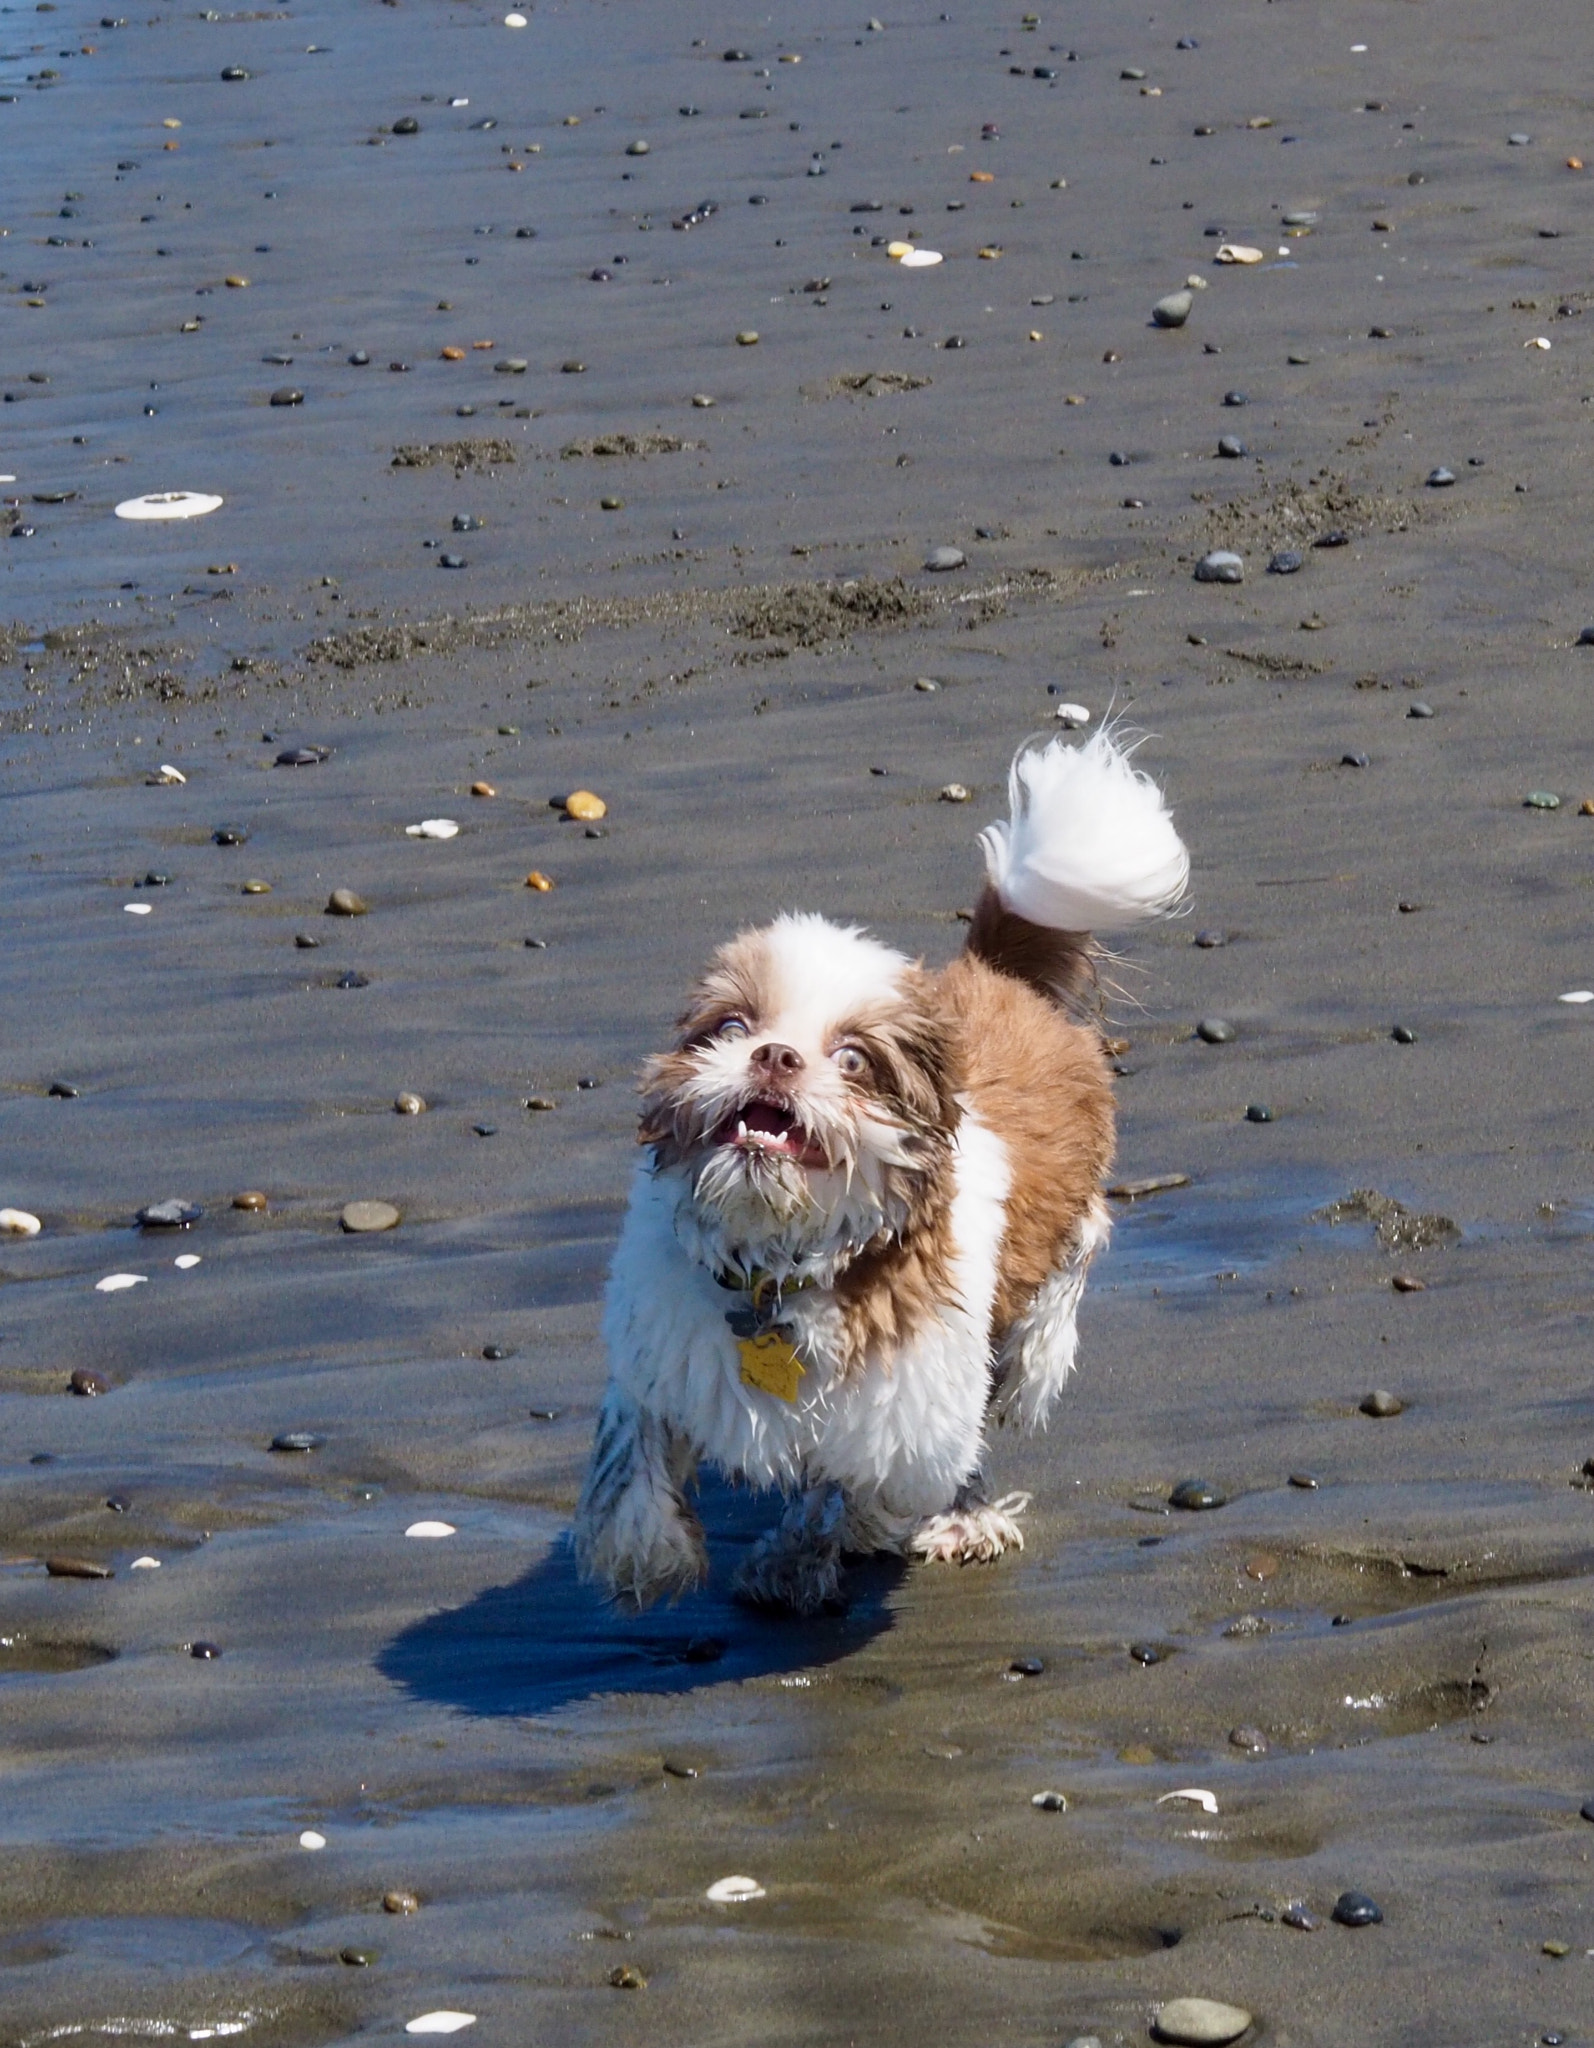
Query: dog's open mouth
772,1130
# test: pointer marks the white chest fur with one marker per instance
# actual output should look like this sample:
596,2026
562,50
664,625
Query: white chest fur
904,1432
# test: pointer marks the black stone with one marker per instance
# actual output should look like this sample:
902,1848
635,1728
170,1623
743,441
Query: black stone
1207,940
451,562
1355,760
1336,537
1355,1909
65,1090
352,978
1231,446
497,1351
172,1215
406,124
360,358
153,880
287,394
485,1130
230,835
1145,1653
1586,1810
1284,563
204,1651
234,73
1308,1482
1258,1113
1027,1667
467,522
297,1440
1403,1035
1235,398
301,757
543,1414
1195,1494
87,1383
304,940
1439,479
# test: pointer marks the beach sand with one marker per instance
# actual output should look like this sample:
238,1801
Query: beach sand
732,658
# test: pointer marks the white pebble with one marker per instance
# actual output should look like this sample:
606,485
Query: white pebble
145,1564
459,103
185,1262
1070,715
430,1529
18,1223
921,259
167,773
1538,341
446,2022
731,1891
1358,49
118,1283
510,21
433,828
1577,995
1195,1796
168,505
1237,252
311,1840
138,909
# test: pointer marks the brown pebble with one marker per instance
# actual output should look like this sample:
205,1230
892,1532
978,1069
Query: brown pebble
1407,1283
252,1200
408,1104
344,903
400,1902
237,284
1251,1740
482,789
1382,1404
1586,808
539,881
86,1382
627,1977
255,889
77,1568
453,355
1261,1567
582,804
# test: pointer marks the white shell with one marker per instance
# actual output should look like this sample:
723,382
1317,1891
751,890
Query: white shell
167,773
311,1840
1538,341
138,909
430,1529
510,21
185,1262
118,1283
1073,714
1207,1801
732,1891
442,2022
18,1223
1577,995
169,505
1236,252
921,259
433,828
145,1564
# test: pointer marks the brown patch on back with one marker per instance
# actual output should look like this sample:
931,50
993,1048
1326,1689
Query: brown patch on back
1040,1082
1060,965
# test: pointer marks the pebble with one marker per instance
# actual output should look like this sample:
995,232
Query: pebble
541,1102
1220,566
955,793
1355,759
1050,1802
185,1262
345,903
482,789
627,1977
77,1568
297,1440
1284,563
1258,1113
1173,310
1403,1035
18,1223
302,757
87,1383
1208,939
732,1891
637,148
118,1283
583,805
1355,1909
406,124
1381,1404
207,1653
1407,1283
1308,1482
408,1104
1145,1653
1216,1031
1586,637
1235,398
1541,800
426,1530
1251,1740
400,1902
747,338
1027,1667
172,1215
1419,710
539,881
1231,447
255,888
433,828
1195,1494
442,2022
358,1217
230,835
1438,479
1237,252
357,1958
1519,140
1069,716
939,559
287,394
1199,2021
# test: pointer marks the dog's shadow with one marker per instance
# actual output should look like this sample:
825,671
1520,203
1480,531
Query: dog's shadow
547,1641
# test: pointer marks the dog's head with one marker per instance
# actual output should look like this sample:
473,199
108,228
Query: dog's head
810,1096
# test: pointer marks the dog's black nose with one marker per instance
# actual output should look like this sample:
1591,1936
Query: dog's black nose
778,1059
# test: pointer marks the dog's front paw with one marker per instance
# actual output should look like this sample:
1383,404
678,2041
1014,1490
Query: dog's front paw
798,1565
640,1558
977,1534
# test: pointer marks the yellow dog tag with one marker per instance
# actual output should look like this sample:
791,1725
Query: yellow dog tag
770,1364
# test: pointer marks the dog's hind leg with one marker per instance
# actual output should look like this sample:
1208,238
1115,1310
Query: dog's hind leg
798,1564
973,1530
634,1531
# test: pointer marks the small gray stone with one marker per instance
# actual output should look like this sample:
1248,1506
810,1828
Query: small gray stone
1298,1914
1222,565
939,559
1355,1909
1216,1031
170,1215
1284,563
1200,2022
1195,1494
359,1217
345,903
1519,140
1381,1404
287,394
1419,710
1251,1740
1174,310
1231,447
1541,800
637,148
1439,479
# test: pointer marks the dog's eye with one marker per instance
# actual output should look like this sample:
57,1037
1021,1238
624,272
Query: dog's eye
851,1061
733,1027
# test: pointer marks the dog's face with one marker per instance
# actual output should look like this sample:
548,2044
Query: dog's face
810,1095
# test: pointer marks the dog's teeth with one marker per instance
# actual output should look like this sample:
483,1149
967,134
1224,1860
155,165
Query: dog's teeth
741,1130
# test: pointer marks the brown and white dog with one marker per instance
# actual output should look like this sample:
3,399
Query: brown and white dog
870,1198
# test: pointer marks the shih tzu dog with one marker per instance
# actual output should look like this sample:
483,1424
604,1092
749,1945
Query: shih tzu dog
869,1200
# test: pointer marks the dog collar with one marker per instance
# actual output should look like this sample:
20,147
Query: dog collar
764,1295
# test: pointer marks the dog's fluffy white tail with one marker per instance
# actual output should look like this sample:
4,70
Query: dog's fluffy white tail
1090,845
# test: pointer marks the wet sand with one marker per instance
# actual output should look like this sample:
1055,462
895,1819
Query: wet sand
729,657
